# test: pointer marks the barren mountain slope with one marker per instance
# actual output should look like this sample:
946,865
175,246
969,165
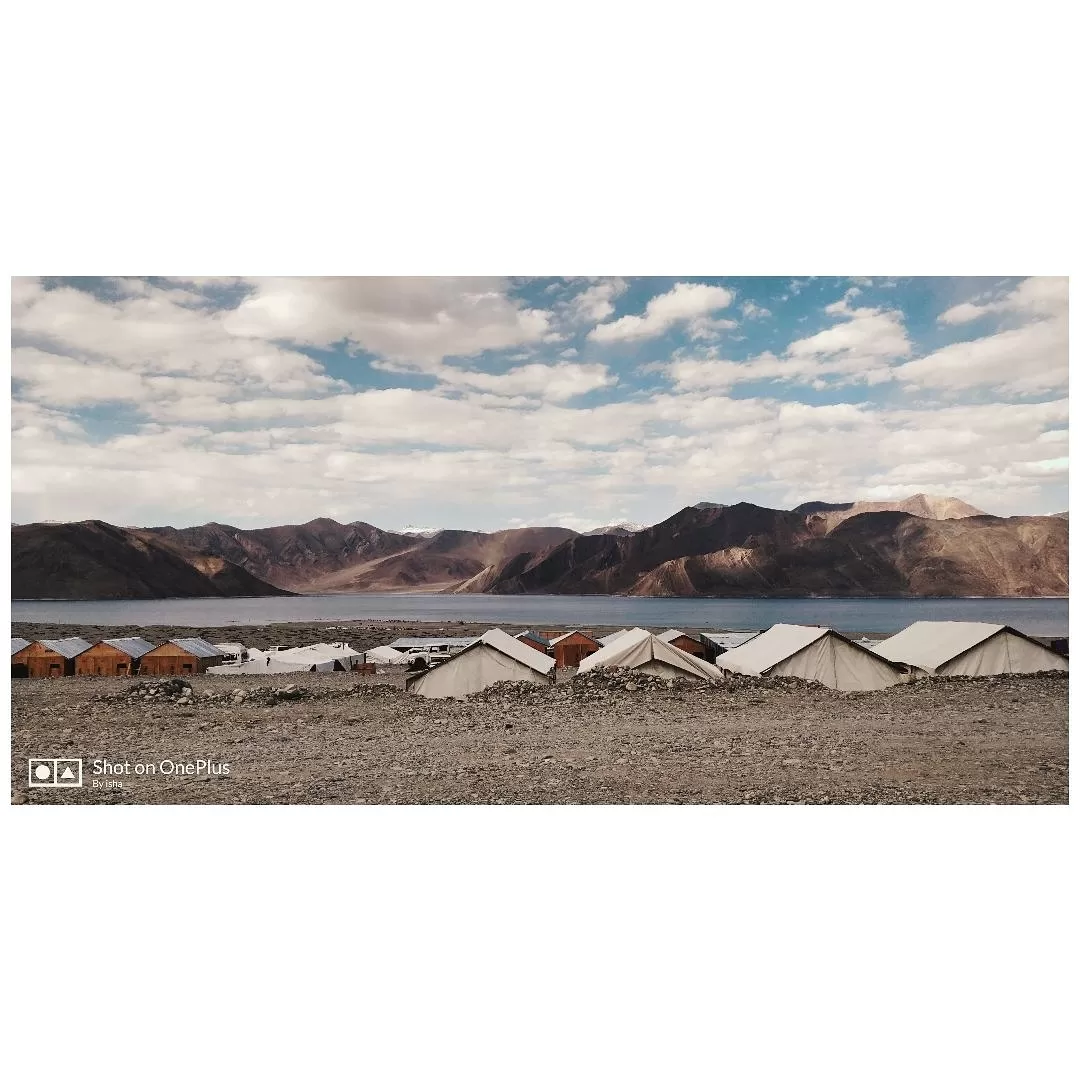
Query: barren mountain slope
92,560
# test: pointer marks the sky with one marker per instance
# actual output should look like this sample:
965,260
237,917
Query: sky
493,403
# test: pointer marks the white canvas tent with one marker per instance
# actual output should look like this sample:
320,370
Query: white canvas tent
610,638
647,653
385,654
811,652
319,657
494,657
968,648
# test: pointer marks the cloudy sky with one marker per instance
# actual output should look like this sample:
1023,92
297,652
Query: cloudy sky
494,402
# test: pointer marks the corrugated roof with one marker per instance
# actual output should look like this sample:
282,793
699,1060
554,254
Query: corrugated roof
68,647
428,642
18,644
731,639
571,633
928,644
133,646
532,635
196,646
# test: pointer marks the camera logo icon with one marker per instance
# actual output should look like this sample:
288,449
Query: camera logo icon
55,772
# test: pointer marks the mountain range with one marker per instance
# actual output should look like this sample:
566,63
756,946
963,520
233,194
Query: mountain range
922,546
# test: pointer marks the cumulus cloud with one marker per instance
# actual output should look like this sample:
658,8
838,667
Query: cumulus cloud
596,303
295,443
417,321
685,302
1028,353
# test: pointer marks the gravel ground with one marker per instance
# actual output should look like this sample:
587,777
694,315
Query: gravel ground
599,738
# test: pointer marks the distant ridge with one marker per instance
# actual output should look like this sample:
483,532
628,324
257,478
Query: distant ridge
920,546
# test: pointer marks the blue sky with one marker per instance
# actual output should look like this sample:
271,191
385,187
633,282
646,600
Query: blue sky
495,402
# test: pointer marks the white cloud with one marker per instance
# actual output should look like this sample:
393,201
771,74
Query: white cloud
596,303
1029,358
415,321
554,382
683,303
751,310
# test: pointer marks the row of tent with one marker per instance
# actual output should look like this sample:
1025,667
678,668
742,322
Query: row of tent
816,653
322,656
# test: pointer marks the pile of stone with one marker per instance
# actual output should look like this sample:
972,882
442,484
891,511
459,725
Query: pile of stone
175,690
626,680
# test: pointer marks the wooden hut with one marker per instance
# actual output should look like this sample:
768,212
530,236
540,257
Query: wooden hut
50,659
571,648
682,640
180,656
18,666
113,656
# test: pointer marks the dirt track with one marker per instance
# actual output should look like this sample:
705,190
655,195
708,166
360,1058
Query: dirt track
595,739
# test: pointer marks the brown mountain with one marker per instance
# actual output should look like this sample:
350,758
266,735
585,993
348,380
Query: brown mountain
92,560
938,508
746,550
326,556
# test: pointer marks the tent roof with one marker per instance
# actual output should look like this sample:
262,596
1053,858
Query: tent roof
133,646
510,646
636,647
671,635
929,644
765,651
386,654
608,639
228,646
18,644
195,645
68,647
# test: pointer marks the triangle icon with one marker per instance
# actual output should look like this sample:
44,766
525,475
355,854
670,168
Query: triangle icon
67,774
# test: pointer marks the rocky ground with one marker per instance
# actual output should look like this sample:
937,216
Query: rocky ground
598,738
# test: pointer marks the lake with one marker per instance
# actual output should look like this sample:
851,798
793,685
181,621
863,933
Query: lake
1045,617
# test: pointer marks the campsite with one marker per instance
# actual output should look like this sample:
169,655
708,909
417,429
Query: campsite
605,734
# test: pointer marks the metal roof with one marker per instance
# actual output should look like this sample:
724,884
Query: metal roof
196,646
570,634
731,639
68,647
18,644
133,646
532,635
427,642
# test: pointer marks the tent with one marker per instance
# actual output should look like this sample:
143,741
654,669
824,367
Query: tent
384,654
494,657
811,652
608,639
968,648
645,652
319,657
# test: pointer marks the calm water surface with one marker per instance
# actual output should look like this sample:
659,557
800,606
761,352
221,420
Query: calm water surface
1044,617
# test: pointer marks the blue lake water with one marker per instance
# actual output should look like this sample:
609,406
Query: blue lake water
1047,617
